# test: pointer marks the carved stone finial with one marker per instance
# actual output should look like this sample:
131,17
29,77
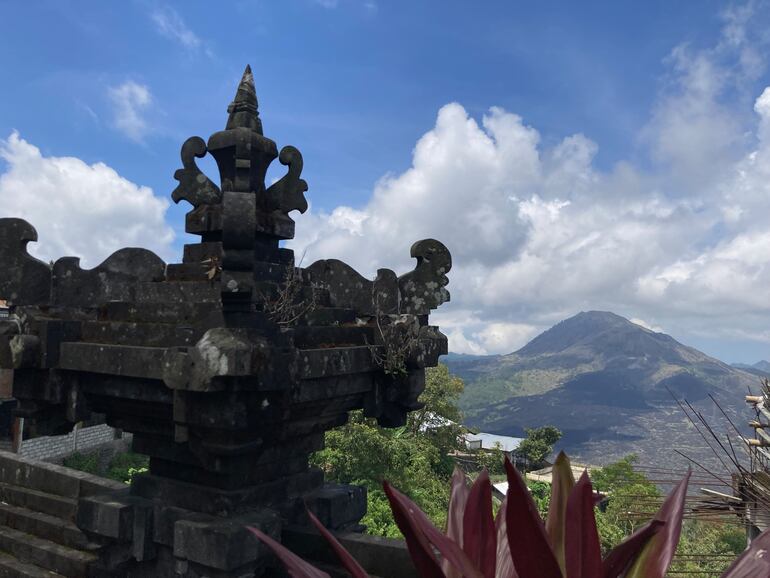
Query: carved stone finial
243,110
241,150
425,288
288,194
194,187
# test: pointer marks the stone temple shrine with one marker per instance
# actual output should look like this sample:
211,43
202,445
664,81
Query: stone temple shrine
227,368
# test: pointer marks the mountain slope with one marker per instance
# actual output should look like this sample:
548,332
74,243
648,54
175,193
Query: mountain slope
599,378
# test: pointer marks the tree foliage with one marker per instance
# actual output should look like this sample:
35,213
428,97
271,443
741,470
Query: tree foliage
412,458
705,547
538,445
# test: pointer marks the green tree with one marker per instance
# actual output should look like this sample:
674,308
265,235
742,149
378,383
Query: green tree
538,445
413,458
492,459
706,547
629,491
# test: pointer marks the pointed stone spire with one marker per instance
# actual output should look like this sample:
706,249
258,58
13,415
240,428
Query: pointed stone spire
244,108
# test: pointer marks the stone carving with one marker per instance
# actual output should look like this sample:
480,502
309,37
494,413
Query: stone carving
425,288
227,398
194,187
24,280
348,288
288,194
114,280
416,292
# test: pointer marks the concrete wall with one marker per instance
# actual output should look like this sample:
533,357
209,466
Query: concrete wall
45,448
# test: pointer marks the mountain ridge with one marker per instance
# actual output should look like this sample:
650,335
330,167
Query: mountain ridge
597,376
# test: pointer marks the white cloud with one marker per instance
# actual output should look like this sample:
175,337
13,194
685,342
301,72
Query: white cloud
130,101
643,323
80,210
504,337
370,6
170,24
538,233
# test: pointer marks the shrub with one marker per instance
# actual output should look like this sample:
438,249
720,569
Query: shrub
83,462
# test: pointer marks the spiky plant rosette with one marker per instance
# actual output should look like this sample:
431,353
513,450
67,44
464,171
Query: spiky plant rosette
517,543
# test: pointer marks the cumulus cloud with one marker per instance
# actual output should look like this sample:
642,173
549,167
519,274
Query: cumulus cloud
538,232
130,101
81,210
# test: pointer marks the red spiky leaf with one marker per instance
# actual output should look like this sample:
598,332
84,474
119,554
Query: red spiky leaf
419,533
582,551
346,559
480,537
295,566
654,559
455,514
562,482
527,540
621,556
504,563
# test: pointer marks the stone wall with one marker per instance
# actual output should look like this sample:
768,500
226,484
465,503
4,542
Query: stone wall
48,447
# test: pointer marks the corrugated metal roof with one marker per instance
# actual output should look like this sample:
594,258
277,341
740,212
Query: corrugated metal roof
491,441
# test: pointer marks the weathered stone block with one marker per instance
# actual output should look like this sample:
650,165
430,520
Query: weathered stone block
338,505
107,515
223,544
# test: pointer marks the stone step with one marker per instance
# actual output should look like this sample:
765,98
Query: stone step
56,506
44,526
47,478
45,554
10,567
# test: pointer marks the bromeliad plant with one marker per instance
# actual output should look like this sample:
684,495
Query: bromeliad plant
518,544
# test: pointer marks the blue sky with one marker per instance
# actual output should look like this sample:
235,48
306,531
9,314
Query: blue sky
573,156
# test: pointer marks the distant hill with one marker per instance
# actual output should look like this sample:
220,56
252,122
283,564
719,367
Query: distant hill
762,366
461,357
606,382
760,369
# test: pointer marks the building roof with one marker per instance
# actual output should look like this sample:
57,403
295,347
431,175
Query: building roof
491,441
544,475
434,421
